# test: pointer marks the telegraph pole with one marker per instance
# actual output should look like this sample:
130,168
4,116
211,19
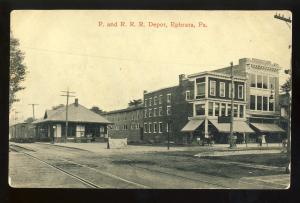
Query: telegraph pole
231,144
67,94
287,21
33,110
16,112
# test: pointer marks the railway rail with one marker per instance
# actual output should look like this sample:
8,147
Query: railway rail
110,175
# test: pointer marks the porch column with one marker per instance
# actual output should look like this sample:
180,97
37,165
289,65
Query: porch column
58,130
49,130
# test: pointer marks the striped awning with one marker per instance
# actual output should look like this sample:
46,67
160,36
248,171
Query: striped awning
267,127
192,125
238,126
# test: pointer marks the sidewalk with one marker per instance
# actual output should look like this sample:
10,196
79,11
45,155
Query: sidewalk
217,149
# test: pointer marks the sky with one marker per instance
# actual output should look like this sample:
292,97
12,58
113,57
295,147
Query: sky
107,66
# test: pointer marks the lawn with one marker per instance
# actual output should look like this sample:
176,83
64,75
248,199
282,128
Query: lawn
279,159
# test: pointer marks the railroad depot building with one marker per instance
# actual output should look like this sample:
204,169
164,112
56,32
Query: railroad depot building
127,123
262,95
83,125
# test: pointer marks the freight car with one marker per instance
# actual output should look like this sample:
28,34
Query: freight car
22,132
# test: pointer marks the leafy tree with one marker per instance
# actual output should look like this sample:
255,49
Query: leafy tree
58,106
17,70
29,120
97,110
135,102
287,86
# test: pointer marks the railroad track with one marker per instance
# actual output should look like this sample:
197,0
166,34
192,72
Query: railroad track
140,167
80,179
107,174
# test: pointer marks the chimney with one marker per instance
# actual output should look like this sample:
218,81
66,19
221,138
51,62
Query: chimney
181,78
76,101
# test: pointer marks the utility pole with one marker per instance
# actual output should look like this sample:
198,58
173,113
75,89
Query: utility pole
287,21
33,110
16,112
67,94
231,144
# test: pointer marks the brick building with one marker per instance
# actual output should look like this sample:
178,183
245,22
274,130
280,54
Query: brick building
211,101
127,123
159,114
262,95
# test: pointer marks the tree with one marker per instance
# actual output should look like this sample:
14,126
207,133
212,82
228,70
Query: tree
29,120
58,106
17,70
287,86
97,110
135,102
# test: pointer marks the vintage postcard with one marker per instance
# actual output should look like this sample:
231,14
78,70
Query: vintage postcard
150,99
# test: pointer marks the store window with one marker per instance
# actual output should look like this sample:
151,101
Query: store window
252,102
265,103
271,104
200,109
223,109
210,108
259,103
217,107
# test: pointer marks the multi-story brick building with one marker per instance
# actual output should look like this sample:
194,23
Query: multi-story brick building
262,94
211,101
191,109
127,123
199,107
159,115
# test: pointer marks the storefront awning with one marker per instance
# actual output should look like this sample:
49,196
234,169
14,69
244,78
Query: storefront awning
238,126
192,125
267,127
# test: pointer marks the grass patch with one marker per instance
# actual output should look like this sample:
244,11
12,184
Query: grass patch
278,159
